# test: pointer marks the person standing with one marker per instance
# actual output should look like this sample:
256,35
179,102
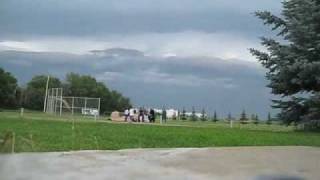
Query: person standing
141,115
152,116
135,116
146,116
126,115
131,114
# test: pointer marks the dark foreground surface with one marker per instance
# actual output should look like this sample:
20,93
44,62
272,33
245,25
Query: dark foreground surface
256,163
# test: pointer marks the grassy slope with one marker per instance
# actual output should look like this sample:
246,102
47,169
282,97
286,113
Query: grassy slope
48,135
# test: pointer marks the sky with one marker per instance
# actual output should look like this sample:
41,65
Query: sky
172,53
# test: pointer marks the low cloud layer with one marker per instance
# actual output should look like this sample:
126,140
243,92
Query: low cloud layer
156,52
22,19
203,82
182,44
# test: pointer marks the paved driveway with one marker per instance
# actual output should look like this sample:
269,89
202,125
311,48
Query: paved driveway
256,163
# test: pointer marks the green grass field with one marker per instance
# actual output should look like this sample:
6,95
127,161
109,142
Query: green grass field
41,133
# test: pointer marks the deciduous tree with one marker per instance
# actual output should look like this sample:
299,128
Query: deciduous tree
34,93
8,87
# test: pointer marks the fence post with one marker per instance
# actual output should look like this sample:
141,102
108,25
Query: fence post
96,142
52,102
48,110
85,103
13,142
21,112
72,108
31,139
61,102
99,106
55,100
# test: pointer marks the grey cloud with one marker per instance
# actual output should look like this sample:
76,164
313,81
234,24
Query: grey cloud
205,69
115,52
216,84
176,82
30,18
153,76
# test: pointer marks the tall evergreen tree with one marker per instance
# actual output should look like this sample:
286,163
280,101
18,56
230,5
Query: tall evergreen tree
243,117
183,114
229,118
269,120
164,114
215,117
193,115
203,115
253,117
256,119
293,60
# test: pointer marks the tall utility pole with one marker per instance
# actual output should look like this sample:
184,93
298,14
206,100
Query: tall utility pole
45,98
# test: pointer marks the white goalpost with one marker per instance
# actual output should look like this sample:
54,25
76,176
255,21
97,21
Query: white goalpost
54,100
58,104
45,99
81,105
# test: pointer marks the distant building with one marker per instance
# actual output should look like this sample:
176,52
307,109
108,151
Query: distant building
171,113
198,115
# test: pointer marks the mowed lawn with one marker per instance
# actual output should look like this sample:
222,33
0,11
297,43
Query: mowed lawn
41,135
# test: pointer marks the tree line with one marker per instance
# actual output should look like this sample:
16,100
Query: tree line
243,119
31,96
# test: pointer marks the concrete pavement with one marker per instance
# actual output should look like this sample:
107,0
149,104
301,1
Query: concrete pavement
256,163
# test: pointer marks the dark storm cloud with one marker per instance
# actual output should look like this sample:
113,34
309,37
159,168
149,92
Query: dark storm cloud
32,18
180,39
212,83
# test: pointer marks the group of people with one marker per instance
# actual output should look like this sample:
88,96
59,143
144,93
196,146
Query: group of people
141,115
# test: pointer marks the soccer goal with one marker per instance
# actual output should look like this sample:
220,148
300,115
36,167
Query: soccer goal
58,104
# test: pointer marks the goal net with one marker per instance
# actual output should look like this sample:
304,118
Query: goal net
56,103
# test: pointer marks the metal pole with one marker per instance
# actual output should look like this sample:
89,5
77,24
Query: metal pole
85,103
55,102
72,108
52,101
61,102
48,101
21,112
99,107
45,98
